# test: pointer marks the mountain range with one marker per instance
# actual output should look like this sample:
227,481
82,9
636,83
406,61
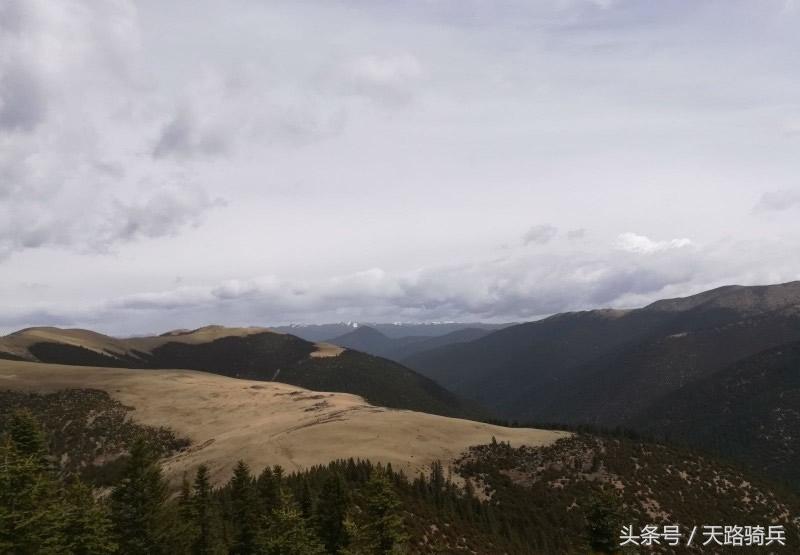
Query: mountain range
687,410
369,340
396,330
252,353
718,370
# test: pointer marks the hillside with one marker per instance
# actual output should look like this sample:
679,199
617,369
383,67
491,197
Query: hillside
622,368
750,411
398,330
496,369
252,353
267,423
603,366
369,340
551,490
452,486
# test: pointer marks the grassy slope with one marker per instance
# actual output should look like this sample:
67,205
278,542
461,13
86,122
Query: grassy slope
285,358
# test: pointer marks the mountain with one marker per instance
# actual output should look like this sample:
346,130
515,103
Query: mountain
369,340
495,368
252,353
456,486
322,332
630,482
227,419
750,411
611,368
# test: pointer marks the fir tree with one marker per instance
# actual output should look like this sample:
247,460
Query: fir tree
137,504
244,505
27,436
604,522
306,501
382,528
87,528
269,491
331,512
185,499
31,513
287,533
203,508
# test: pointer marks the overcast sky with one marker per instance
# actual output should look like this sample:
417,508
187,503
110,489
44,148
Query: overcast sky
174,164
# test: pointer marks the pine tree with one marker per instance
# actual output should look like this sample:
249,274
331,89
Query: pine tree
244,511
269,491
287,533
27,436
205,514
87,528
604,521
31,512
331,513
185,499
138,504
306,501
181,522
382,528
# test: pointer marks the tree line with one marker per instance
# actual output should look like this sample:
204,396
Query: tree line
347,507
45,512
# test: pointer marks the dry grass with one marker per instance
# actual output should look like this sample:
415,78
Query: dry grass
325,350
270,423
19,343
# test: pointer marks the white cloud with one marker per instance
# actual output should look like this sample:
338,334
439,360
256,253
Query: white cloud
522,286
640,244
389,137
387,79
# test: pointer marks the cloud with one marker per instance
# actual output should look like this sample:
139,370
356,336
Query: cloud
73,122
182,136
540,234
386,79
123,120
110,221
163,214
776,201
575,234
22,99
526,284
640,244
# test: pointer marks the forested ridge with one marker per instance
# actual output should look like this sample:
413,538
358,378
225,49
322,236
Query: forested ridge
570,497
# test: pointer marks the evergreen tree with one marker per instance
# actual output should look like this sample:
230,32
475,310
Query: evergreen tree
205,515
87,528
244,512
31,513
185,499
287,533
269,491
331,513
182,521
27,436
137,504
382,529
306,499
604,521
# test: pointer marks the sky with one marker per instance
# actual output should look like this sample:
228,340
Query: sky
174,164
